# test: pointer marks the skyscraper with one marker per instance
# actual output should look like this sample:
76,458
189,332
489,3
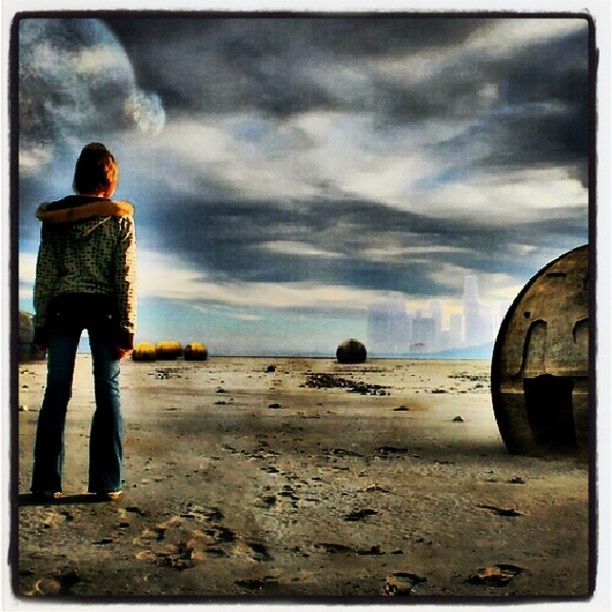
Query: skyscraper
423,334
471,311
388,327
436,315
456,330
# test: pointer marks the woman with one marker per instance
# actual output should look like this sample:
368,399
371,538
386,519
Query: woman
85,279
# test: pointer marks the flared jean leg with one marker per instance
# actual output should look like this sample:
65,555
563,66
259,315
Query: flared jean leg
105,443
49,445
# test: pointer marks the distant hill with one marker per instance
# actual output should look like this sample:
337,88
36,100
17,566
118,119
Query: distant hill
481,351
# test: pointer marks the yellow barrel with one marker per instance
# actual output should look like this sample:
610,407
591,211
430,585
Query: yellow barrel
144,351
168,349
196,351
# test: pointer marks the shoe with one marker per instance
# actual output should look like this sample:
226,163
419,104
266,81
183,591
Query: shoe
47,495
108,495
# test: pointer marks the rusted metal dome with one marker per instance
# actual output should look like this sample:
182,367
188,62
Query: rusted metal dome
540,366
351,351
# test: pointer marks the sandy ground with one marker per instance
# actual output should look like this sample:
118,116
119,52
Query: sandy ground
241,482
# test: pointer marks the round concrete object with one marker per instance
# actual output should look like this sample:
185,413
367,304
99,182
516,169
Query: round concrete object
540,365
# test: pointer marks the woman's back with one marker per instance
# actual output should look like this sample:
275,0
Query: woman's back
83,242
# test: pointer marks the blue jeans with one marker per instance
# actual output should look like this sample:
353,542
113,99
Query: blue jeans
105,444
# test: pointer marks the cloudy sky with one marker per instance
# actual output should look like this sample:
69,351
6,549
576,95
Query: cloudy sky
287,172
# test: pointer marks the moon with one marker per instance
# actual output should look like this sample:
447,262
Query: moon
76,82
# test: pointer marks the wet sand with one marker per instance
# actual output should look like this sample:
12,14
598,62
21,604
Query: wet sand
317,479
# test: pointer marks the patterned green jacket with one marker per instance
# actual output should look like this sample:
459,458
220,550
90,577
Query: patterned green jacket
88,246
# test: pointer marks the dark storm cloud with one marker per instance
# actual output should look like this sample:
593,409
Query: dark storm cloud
540,116
230,241
236,64
527,106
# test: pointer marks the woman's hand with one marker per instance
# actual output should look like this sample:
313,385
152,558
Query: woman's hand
121,352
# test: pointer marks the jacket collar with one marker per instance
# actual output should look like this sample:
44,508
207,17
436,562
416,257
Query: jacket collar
78,208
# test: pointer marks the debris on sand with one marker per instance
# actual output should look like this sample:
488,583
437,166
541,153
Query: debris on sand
179,557
257,585
402,584
359,515
47,586
458,419
269,500
479,378
221,390
501,511
373,550
498,575
374,488
326,380
402,408
60,584
334,549
167,373
23,408
439,390
392,451
136,510
145,555
274,405
516,480
271,368
340,452
259,551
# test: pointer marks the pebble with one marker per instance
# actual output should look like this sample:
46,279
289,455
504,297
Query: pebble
402,584
145,555
458,419
501,511
359,515
47,586
23,408
498,575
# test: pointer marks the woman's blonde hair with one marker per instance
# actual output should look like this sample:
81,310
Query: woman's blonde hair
96,170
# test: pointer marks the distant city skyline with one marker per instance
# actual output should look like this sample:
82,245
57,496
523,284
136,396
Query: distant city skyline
394,328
